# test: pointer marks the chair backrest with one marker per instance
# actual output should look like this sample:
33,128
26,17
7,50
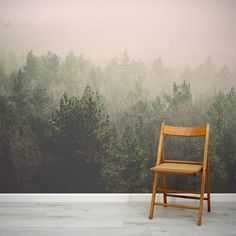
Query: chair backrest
183,131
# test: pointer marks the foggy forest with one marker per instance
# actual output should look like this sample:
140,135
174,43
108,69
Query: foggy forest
68,125
83,96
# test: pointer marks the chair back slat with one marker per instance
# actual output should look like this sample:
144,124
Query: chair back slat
184,131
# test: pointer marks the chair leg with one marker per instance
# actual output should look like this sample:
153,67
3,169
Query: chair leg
164,187
208,185
154,190
201,198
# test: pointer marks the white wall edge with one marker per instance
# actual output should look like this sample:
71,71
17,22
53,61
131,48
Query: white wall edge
101,197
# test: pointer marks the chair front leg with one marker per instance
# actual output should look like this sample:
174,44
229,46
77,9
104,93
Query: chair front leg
164,187
201,198
154,190
208,185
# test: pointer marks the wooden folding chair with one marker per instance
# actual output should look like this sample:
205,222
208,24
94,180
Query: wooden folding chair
164,167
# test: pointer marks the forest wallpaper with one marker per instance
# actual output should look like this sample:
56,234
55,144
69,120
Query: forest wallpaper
84,90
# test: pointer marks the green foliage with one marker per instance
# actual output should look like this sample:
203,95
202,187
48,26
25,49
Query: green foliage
222,116
19,152
181,95
67,125
81,137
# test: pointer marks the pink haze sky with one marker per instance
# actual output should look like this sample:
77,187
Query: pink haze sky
182,32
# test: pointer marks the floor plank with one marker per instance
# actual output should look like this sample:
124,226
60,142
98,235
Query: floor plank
87,219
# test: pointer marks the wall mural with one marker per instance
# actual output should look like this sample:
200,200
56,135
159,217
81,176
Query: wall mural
71,124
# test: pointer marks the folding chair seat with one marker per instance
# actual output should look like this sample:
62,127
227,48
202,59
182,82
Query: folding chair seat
177,168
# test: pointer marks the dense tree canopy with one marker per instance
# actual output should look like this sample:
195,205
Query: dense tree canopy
67,125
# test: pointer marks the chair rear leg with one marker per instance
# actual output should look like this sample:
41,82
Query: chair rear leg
208,185
154,190
201,199
164,187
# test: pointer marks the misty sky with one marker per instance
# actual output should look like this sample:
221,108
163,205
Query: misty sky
185,31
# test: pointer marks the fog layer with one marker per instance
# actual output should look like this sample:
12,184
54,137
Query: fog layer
182,32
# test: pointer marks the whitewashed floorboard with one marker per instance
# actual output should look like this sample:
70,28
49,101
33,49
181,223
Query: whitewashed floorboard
113,219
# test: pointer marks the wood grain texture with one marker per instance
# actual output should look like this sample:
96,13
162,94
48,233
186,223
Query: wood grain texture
177,168
177,205
184,131
105,219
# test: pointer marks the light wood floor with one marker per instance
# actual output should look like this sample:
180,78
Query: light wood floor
112,219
